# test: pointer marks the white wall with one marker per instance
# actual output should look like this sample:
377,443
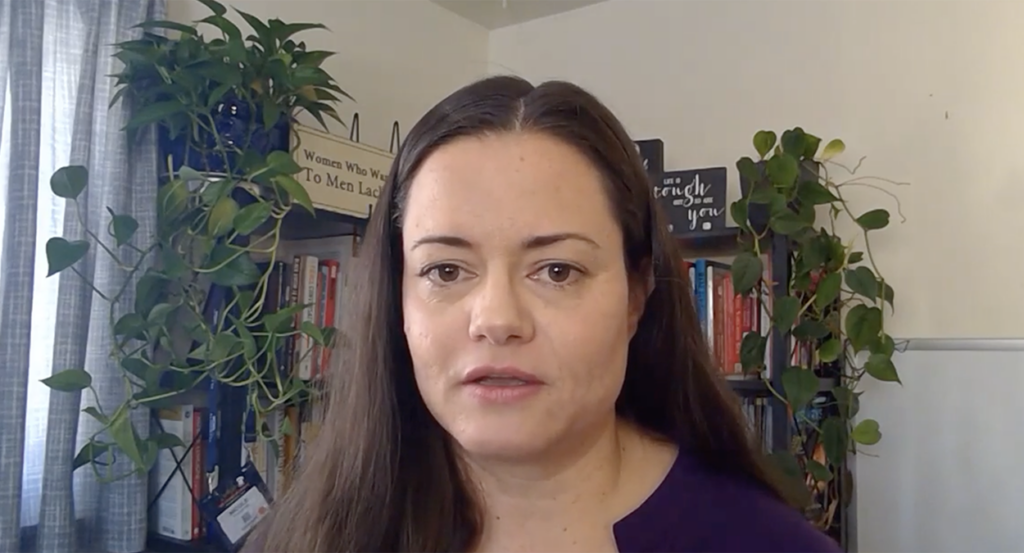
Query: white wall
396,58
930,92
945,478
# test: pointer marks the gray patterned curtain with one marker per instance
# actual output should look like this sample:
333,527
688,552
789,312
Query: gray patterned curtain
55,58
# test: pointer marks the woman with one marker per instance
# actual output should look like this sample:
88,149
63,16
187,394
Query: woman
528,372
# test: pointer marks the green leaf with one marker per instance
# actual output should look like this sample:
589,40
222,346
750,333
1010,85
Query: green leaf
313,331
312,58
172,200
250,217
68,182
746,272
216,7
153,113
158,314
874,220
61,254
234,267
793,142
787,223
866,432
189,174
216,191
881,367
91,452
818,471
814,193
271,112
855,258
830,350
149,455
782,170
752,348
814,253
800,386
171,263
130,325
69,380
222,215
763,193
222,347
150,290
739,212
748,169
887,294
863,325
847,400
285,31
123,434
262,30
885,345
295,191
249,348
95,414
764,141
784,312
166,440
170,25
832,149
282,320
281,162
811,144
810,329
122,227
836,439
862,281
140,369
827,290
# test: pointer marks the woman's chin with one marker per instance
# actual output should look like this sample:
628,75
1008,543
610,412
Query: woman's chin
500,445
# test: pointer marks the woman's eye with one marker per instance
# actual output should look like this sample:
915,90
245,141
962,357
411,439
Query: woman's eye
559,273
447,273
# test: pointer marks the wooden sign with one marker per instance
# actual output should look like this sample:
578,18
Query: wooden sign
340,175
693,200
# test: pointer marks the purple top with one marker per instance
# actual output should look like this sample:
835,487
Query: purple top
697,509
700,510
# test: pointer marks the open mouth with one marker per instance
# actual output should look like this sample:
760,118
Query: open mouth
502,381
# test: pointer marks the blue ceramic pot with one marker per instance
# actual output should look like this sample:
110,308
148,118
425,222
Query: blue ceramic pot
237,124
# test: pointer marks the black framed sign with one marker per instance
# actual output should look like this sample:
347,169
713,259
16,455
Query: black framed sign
693,200
652,151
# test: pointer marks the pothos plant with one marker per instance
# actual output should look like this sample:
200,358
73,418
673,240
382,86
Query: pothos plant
831,310
215,105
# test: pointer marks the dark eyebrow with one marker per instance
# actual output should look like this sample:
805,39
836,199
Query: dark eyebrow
531,243
535,242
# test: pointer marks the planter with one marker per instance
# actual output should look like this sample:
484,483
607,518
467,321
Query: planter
237,125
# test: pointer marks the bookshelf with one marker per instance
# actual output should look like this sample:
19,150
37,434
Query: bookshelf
229,448
725,243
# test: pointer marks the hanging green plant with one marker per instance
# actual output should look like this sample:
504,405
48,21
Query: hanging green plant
831,310
222,109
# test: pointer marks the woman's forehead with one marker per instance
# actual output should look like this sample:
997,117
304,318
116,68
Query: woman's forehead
512,185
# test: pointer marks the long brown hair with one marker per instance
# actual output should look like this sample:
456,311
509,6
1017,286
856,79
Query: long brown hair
381,475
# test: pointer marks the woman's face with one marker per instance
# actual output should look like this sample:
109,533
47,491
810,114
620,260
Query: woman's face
516,299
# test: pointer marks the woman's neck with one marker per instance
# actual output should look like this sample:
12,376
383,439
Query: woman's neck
576,486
